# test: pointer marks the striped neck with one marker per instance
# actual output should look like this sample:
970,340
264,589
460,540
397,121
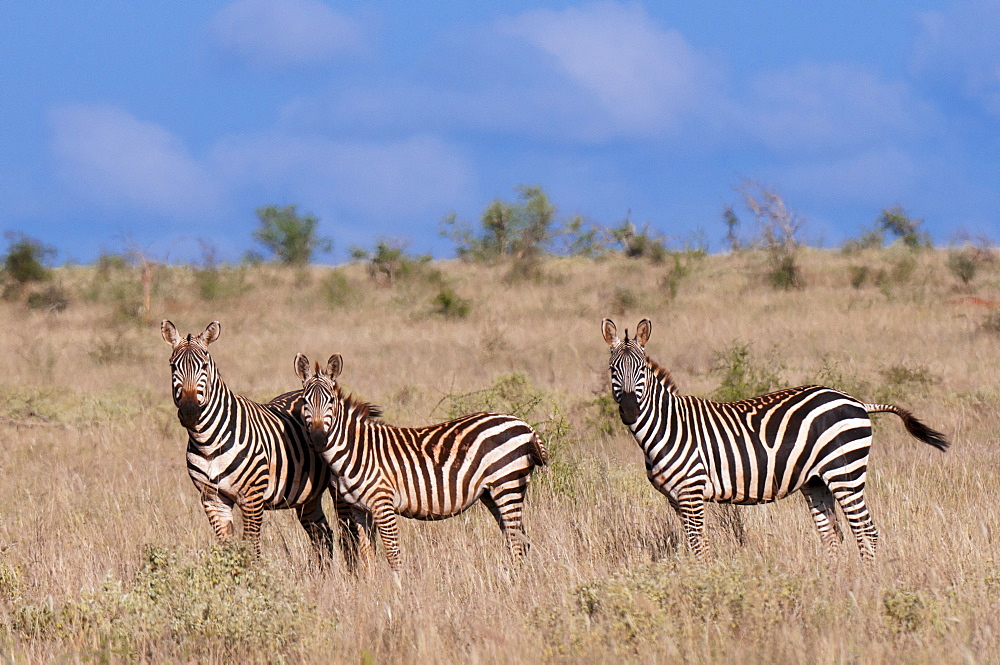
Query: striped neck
656,409
214,417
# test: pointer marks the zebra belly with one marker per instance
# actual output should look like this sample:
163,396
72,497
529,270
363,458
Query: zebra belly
418,511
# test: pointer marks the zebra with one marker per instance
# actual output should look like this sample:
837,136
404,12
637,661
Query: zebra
811,438
254,456
425,473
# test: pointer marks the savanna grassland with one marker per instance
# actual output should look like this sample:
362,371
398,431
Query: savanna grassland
106,554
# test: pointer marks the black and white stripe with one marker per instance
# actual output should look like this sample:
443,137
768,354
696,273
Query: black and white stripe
425,473
762,449
241,453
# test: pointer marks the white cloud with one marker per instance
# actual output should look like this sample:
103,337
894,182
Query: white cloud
959,47
285,33
380,180
109,157
811,106
643,77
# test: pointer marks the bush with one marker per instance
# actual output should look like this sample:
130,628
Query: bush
25,259
859,275
519,231
638,243
450,305
52,299
221,605
290,237
514,395
964,263
744,375
895,221
389,262
785,273
904,382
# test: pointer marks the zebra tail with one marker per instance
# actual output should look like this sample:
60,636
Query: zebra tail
541,454
916,428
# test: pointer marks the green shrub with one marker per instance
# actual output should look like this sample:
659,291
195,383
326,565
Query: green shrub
784,272
904,382
291,238
831,374
53,299
639,243
519,231
389,262
450,305
222,603
743,374
897,222
906,611
514,395
25,259
963,265
603,415
859,275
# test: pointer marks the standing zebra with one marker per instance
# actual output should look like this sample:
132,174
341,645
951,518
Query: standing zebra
427,473
255,456
757,450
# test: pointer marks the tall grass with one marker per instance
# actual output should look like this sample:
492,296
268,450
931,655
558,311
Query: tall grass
105,553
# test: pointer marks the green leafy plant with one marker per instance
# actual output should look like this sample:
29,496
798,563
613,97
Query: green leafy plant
897,222
388,262
638,243
450,305
291,238
519,231
744,374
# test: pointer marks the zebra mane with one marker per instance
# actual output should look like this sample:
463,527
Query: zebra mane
662,375
355,405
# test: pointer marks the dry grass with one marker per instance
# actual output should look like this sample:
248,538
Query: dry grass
93,468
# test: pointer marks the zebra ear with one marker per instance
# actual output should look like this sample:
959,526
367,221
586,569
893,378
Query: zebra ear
169,332
642,332
334,366
610,332
301,366
211,332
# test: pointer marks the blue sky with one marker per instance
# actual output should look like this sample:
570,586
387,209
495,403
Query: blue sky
162,124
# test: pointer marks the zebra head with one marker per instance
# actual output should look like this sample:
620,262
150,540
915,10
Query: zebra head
193,372
628,367
320,397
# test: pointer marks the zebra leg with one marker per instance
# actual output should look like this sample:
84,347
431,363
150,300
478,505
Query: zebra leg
313,520
505,505
823,508
851,497
690,507
367,536
384,514
354,545
219,511
253,516
691,510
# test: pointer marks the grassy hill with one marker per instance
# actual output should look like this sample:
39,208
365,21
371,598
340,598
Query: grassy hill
106,552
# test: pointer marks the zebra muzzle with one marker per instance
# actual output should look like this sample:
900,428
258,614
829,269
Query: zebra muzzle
628,408
188,412
318,438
